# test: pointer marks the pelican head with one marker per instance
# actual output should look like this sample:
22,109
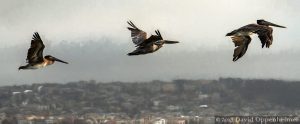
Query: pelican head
51,58
266,23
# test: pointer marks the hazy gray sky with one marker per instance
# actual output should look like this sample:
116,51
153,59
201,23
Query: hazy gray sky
200,26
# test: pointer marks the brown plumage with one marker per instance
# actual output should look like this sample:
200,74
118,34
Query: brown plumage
35,57
241,37
146,45
35,52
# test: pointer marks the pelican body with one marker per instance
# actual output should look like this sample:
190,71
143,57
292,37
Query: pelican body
144,45
241,37
35,59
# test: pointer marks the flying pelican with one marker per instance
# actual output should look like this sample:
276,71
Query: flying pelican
241,37
144,45
35,57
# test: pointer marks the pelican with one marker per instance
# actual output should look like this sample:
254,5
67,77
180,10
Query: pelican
241,37
144,45
35,57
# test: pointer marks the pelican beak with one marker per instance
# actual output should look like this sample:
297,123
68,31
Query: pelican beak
56,59
170,42
275,25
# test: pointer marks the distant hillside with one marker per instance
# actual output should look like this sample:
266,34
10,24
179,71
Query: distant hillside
226,95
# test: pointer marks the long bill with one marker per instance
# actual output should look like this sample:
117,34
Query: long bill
275,25
171,42
56,59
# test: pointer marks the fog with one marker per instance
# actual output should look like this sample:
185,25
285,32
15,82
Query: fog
92,36
105,61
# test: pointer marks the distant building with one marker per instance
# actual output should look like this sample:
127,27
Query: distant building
169,87
28,91
43,107
39,88
181,121
203,106
15,93
156,103
40,121
110,122
160,121
202,96
173,107
50,121
23,121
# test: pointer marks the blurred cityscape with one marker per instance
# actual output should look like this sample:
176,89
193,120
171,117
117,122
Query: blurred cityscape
156,102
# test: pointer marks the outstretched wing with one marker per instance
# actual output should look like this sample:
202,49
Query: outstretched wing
247,28
241,43
138,36
265,36
35,52
158,34
152,39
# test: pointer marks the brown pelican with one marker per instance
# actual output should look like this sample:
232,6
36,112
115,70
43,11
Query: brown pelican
241,37
144,45
35,57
